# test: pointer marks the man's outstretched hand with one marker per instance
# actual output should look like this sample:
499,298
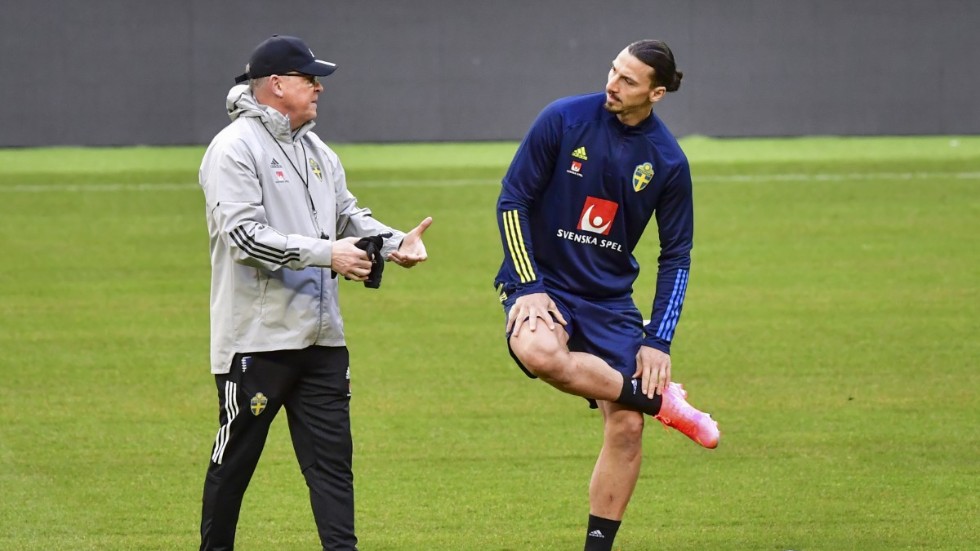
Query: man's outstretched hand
412,249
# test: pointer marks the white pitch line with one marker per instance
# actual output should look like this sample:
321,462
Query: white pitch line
94,188
732,178
831,177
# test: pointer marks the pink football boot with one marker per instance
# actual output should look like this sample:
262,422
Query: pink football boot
676,413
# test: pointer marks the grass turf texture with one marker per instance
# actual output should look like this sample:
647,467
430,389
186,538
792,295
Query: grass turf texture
830,325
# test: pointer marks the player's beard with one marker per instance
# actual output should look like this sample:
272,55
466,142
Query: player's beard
621,110
613,107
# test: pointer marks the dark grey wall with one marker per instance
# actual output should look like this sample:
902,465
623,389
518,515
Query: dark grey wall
104,72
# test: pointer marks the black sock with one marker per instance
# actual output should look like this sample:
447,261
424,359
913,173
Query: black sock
601,534
632,396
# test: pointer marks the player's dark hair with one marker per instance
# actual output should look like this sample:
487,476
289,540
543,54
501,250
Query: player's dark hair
657,55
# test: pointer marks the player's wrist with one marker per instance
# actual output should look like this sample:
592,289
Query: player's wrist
657,344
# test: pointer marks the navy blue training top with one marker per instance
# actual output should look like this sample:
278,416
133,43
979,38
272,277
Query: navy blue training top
576,199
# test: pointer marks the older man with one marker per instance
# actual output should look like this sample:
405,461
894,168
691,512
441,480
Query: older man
282,226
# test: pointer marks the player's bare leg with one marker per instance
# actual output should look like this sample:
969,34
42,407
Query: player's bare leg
544,352
618,466
615,474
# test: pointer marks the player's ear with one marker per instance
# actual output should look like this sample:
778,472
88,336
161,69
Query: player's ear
657,93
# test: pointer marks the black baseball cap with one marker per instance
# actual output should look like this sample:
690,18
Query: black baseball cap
281,54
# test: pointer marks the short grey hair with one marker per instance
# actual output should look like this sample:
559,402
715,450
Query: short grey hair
256,83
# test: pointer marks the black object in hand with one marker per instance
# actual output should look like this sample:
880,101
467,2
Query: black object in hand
372,246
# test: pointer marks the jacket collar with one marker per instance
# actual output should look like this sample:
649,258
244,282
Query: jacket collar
241,103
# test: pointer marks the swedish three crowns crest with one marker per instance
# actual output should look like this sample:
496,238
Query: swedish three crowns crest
642,176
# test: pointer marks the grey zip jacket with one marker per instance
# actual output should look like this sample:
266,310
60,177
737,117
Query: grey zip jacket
276,201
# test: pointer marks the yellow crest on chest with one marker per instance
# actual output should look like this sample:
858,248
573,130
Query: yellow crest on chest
642,176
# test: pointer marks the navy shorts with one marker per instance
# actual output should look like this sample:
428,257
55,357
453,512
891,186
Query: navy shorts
611,329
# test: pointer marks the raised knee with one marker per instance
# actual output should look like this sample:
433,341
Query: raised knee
541,356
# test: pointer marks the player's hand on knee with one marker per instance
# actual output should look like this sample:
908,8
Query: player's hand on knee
528,308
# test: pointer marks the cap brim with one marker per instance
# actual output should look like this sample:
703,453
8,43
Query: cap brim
319,68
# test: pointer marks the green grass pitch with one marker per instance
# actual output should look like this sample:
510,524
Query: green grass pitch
831,326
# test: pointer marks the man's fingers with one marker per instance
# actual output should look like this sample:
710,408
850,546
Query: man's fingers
406,260
555,314
423,225
403,259
663,379
651,381
414,250
656,384
518,324
528,308
549,320
559,317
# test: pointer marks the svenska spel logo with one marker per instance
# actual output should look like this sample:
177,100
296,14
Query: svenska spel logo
597,215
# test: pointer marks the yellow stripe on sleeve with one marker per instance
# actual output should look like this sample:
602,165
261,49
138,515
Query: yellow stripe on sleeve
518,251
513,246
